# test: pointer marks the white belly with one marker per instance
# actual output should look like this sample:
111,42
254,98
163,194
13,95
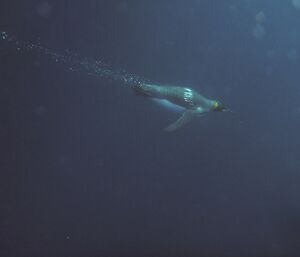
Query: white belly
168,105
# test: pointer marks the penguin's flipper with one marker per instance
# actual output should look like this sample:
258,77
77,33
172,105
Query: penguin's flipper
186,117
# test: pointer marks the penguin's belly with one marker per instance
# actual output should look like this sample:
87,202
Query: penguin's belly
168,105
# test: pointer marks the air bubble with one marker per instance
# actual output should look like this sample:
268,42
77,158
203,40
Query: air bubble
4,35
74,62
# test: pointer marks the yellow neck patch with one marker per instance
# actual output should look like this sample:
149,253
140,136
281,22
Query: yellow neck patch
216,105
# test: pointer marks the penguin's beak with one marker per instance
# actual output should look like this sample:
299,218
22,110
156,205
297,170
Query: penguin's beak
219,107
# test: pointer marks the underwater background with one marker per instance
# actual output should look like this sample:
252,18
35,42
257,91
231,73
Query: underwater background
85,166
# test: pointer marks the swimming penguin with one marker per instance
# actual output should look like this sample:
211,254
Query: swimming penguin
192,103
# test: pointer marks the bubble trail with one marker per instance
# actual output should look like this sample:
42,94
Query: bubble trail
76,62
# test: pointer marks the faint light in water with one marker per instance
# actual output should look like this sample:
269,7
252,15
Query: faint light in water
40,110
271,53
260,17
259,31
292,54
234,10
269,70
44,9
227,90
123,7
296,3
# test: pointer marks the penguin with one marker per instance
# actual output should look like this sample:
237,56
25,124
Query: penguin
184,99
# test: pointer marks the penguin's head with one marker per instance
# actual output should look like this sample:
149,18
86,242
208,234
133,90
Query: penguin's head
219,107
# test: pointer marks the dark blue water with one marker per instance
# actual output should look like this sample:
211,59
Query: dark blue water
85,166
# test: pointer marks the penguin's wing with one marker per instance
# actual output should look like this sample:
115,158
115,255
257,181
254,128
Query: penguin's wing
186,117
